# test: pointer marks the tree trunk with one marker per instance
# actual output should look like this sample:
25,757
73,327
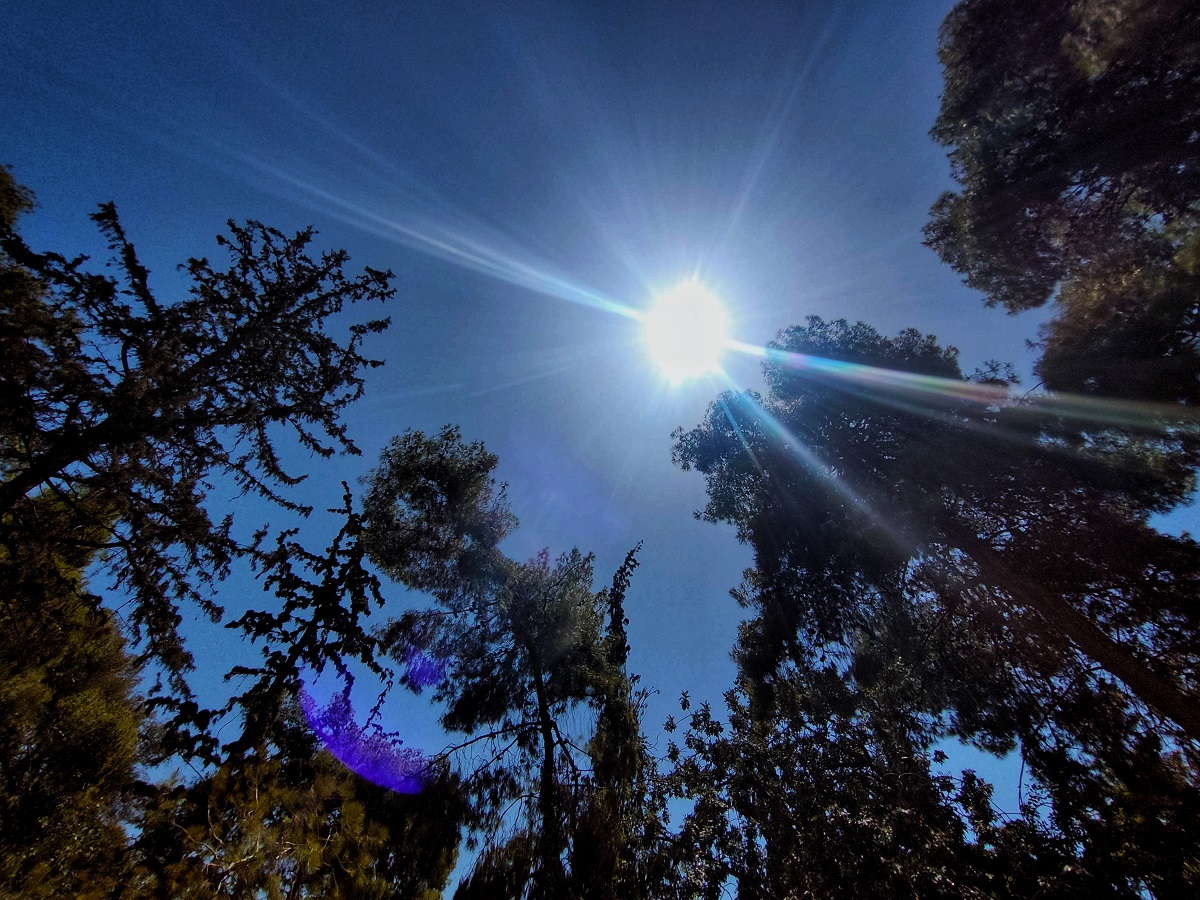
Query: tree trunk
1159,694
69,447
550,880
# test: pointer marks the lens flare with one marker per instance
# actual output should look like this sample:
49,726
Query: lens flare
369,752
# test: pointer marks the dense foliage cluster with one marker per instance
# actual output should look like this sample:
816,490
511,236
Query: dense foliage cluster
951,569
118,413
936,560
1073,131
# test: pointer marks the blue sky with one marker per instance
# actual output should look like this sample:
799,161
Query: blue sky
522,167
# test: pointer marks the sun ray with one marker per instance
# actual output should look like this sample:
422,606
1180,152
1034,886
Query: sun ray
923,389
450,244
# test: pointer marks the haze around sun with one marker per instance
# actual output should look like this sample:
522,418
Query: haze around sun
685,331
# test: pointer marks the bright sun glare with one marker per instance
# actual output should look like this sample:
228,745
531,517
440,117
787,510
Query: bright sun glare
685,331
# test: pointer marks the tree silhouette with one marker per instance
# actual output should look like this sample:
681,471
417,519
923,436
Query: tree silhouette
1072,131
117,413
524,649
995,548
137,403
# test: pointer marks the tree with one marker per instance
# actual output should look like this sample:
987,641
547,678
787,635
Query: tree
290,820
116,412
306,802
830,795
619,829
1128,329
986,541
319,623
137,403
523,648
1072,126
69,736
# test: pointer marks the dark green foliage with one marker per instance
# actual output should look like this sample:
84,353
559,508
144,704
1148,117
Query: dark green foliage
138,402
617,822
841,490
435,514
1072,127
504,869
830,796
69,733
116,412
15,199
980,564
291,821
1128,328
525,651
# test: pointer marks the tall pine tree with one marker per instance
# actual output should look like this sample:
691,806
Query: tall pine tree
523,651
975,539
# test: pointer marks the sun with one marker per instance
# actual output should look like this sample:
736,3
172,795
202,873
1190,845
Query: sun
685,331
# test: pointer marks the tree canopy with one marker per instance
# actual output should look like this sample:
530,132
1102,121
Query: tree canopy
138,402
71,731
118,412
1072,132
523,649
936,559
984,563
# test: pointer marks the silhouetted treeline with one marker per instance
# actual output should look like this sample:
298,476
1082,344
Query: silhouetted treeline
937,557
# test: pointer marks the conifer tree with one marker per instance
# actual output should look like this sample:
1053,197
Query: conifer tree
69,735
1071,127
994,548
522,649
108,391
116,410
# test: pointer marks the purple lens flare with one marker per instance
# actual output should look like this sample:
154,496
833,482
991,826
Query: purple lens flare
370,752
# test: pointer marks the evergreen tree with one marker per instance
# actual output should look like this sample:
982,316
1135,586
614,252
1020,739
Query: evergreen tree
1072,131
995,548
523,650
835,793
290,820
106,390
69,735
116,410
